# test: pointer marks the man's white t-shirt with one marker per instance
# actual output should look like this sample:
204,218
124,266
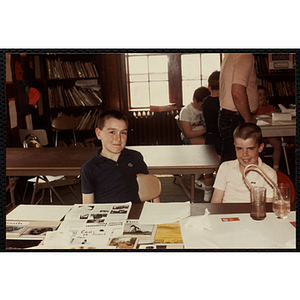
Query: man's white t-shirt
238,68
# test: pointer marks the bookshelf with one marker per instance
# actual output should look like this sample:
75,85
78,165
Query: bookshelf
72,85
280,83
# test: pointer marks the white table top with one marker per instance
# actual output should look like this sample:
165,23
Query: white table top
185,159
211,232
272,128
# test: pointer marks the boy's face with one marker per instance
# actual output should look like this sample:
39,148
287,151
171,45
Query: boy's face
113,137
262,97
247,151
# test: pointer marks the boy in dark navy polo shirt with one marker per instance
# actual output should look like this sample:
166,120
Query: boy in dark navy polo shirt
110,176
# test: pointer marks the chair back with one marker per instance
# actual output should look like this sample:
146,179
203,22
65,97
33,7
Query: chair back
33,137
64,123
282,178
149,186
186,139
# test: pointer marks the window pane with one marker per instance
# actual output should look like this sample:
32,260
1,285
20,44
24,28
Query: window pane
161,77
158,64
188,88
141,77
190,65
139,94
210,63
138,64
159,92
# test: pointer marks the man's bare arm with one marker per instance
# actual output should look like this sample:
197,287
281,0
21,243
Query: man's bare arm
241,103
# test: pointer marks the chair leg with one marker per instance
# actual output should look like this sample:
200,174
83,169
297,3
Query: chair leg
53,189
50,196
41,198
56,138
26,186
285,157
74,136
56,194
34,190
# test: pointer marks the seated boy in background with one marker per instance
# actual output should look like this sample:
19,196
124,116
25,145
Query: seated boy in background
229,185
110,176
191,118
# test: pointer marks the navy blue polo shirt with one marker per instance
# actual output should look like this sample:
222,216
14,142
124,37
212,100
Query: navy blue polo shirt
110,181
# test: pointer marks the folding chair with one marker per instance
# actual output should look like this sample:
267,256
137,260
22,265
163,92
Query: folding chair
37,138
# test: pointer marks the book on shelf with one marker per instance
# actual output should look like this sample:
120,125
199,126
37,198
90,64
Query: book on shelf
90,124
58,69
87,121
71,98
84,120
60,97
279,88
78,97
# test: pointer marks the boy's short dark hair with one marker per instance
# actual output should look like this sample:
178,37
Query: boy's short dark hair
213,80
107,114
260,87
248,130
201,93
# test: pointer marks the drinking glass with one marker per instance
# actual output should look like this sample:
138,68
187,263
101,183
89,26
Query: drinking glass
258,203
282,205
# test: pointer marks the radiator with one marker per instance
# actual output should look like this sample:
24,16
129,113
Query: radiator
153,128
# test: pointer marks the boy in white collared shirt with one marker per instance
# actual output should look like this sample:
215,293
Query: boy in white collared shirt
229,186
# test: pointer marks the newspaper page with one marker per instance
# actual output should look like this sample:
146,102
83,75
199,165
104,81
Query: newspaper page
89,226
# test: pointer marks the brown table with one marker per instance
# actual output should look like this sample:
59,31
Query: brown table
183,159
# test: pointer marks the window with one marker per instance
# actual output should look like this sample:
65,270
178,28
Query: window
147,77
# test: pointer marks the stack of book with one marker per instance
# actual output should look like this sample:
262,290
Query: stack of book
58,69
87,120
60,96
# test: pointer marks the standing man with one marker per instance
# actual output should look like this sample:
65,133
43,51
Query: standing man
238,98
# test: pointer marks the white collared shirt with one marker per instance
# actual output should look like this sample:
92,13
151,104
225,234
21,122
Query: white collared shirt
230,179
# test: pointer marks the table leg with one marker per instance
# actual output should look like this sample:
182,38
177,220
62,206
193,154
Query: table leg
181,183
192,188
